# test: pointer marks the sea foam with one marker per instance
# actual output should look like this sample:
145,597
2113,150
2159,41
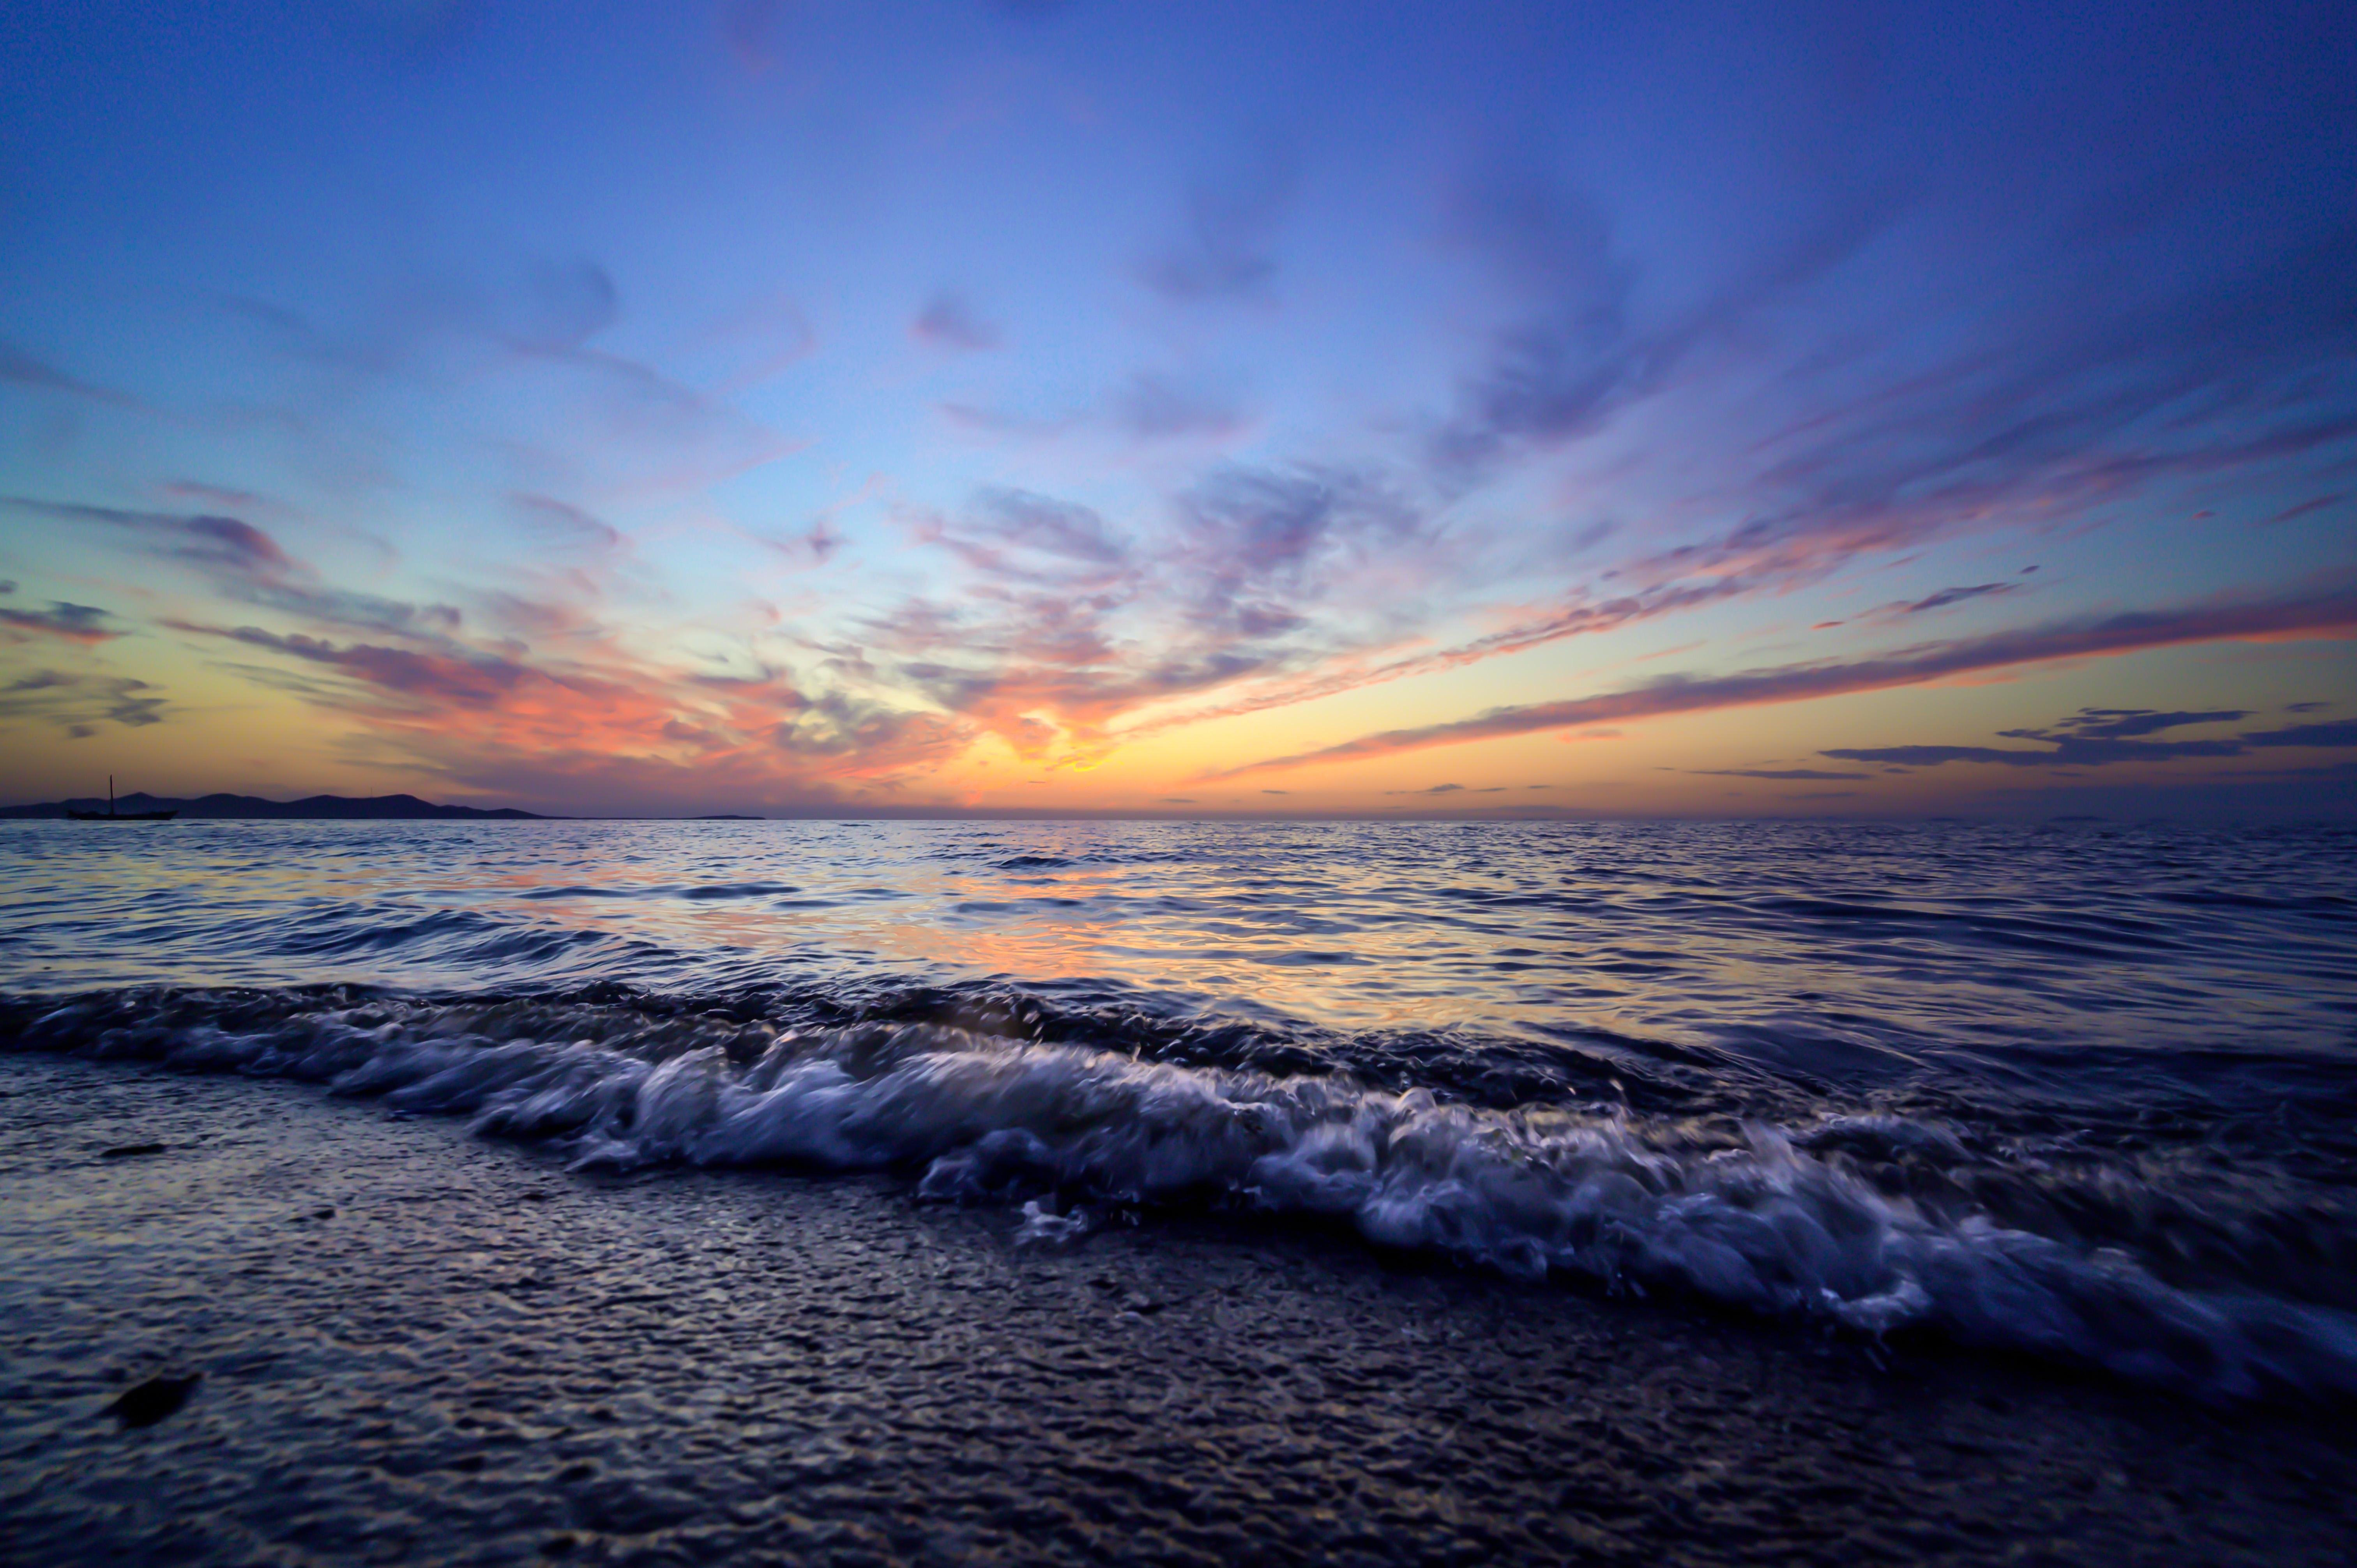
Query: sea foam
1771,1227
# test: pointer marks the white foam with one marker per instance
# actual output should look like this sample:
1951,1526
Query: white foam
1771,1227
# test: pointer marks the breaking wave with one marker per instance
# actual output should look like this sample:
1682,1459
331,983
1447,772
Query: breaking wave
1784,1221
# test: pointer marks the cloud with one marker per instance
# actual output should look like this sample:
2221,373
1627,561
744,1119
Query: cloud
2060,410
243,563
73,623
2326,612
22,370
602,723
560,306
2344,733
1277,792
559,525
1581,352
218,543
1947,597
1146,406
1225,248
1434,789
1065,623
948,321
2317,504
1023,519
1245,527
2092,755
1152,407
475,681
77,703
511,363
2095,736
214,495
1575,358
837,724
1790,773
2119,723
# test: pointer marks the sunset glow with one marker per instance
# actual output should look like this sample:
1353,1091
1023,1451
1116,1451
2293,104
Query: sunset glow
857,410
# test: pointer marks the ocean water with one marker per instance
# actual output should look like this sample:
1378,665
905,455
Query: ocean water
2083,1091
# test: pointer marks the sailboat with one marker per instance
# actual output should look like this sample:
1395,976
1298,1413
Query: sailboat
111,815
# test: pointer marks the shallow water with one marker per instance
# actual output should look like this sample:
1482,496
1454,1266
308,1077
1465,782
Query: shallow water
2079,1089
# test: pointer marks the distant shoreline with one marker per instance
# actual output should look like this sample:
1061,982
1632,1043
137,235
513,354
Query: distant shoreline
410,808
251,808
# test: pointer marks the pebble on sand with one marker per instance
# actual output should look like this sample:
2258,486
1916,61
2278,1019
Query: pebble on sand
151,1400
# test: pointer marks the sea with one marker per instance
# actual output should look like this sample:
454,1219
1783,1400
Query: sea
2079,1094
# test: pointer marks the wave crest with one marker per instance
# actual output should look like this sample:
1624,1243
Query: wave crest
1780,1226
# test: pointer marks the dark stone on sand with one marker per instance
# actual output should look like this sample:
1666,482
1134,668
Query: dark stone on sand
151,1400
126,1151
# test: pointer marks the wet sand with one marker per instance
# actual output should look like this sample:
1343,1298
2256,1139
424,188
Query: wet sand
417,1346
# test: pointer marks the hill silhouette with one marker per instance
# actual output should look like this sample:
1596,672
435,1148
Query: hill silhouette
218,808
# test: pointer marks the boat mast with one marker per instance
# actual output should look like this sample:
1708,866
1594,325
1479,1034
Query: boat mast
110,794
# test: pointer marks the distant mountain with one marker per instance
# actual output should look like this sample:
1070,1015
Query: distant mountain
375,808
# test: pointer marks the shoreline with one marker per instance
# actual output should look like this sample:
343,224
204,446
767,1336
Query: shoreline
479,1357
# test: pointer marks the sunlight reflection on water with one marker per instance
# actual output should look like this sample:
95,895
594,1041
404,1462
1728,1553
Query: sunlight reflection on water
1914,936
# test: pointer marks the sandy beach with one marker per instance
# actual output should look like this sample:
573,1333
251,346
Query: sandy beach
419,1346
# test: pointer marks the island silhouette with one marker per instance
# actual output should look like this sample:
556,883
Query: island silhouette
222,807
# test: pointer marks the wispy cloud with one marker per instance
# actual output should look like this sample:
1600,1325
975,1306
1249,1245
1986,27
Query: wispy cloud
1154,407
2344,733
78,702
2096,737
21,369
84,624
1947,597
1225,248
1582,352
2323,612
1809,774
559,525
245,564
949,321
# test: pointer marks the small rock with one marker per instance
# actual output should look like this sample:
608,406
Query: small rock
558,1546
126,1151
323,1213
149,1402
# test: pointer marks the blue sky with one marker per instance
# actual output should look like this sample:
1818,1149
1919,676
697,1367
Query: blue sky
818,406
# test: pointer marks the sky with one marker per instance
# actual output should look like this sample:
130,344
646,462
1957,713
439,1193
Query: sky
846,407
